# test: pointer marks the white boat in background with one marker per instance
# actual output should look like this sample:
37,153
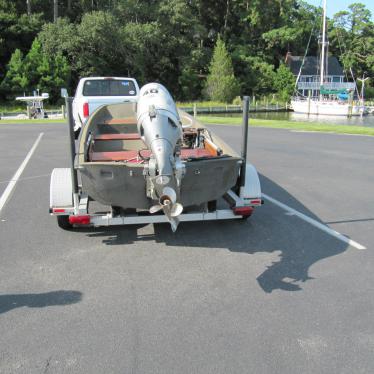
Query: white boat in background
35,108
331,101
326,107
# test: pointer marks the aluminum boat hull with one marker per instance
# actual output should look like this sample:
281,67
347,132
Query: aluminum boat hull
122,183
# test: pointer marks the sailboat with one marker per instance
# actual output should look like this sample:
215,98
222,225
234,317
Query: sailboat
331,101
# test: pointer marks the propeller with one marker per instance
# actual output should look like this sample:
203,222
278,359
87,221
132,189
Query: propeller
168,204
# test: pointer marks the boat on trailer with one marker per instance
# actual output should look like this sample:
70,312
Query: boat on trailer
149,162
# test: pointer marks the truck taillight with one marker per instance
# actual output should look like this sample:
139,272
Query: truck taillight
86,110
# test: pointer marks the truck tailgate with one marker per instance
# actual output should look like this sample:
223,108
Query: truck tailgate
95,102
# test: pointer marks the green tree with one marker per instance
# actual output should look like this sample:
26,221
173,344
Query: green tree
54,73
16,32
32,61
37,70
100,48
191,78
351,36
172,41
284,82
255,72
15,81
221,84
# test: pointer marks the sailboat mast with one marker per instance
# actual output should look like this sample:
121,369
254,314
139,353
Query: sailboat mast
323,48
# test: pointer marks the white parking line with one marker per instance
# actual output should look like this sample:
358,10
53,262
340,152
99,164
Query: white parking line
314,223
6,194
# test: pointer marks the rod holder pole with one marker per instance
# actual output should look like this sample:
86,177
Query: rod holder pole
70,122
244,140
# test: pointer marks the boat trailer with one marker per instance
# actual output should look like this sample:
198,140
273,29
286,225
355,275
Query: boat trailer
70,204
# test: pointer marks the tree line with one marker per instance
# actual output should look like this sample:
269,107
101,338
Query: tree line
190,46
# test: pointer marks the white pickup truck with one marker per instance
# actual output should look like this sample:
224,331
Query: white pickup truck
96,91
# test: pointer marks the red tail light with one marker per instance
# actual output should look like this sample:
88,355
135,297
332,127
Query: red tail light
86,110
56,210
256,202
80,220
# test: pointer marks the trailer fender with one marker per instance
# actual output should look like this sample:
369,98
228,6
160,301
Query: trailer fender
252,187
61,191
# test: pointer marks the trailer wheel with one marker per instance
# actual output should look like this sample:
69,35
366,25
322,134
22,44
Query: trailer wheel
63,222
76,133
244,218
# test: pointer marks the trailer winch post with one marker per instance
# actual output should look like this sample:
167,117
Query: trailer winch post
74,176
244,140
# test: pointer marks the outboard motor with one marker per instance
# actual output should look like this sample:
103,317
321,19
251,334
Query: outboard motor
161,130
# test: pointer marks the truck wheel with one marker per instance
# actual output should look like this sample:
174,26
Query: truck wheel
63,222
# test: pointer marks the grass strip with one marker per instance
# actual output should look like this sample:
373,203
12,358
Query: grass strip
290,125
236,121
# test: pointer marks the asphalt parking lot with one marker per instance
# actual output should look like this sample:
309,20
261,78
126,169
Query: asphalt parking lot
273,294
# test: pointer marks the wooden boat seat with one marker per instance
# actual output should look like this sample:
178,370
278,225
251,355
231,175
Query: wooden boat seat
118,136
195,153
121,121
132,156
128,156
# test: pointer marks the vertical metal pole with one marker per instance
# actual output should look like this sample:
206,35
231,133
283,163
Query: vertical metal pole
28,3
74,176
244,140
350,104
55,10
323,49
309,93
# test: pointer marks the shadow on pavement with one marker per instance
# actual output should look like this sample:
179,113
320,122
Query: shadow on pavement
269,230
38,300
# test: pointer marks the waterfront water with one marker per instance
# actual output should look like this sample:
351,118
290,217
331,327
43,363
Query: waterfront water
367,120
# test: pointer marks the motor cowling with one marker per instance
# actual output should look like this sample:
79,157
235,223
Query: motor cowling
159,125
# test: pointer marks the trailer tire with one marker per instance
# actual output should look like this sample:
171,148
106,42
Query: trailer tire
63,222
244,218
212,206
76,133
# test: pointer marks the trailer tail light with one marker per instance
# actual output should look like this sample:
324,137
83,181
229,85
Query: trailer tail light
245,211
86,110
80,220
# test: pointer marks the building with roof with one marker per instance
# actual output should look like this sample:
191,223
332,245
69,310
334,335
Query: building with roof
309,79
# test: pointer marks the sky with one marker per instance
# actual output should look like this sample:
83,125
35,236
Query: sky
335,6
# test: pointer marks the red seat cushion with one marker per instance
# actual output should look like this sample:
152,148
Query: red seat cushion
121,121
